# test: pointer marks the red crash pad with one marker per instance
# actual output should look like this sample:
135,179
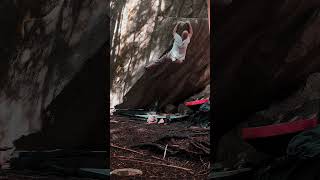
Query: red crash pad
196,102
279,129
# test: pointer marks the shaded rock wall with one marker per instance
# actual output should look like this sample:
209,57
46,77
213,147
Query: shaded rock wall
263,51
76,118
307,93
205,93
141,32
52,42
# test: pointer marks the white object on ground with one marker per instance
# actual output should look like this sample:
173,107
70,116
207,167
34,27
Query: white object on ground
161,121
151,119
165,152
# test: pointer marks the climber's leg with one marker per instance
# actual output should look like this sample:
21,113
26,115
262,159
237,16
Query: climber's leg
157,62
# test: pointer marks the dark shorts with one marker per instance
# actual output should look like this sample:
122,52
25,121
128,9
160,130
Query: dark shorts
165,58
162,59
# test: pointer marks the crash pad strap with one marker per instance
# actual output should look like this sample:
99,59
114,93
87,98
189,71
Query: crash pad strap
197,102
278,129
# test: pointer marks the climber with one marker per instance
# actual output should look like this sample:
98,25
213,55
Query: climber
178,51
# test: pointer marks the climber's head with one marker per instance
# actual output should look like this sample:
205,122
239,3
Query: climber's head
185,34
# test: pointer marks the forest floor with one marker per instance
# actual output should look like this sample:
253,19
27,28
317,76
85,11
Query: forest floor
138,145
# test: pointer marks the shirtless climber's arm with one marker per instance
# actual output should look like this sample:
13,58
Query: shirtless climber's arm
175,28
190,29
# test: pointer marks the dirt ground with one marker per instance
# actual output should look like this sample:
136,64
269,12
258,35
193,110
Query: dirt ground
187,154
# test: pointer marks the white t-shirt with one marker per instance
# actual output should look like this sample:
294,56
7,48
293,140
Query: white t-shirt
179,49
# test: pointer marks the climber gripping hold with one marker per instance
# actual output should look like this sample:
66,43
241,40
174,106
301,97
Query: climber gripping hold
178,51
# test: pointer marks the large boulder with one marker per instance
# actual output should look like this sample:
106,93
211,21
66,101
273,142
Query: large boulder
172,83
263,52
303,104
52,43
141,34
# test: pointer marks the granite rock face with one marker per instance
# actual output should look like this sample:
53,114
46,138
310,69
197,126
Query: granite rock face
49,42
141,34
263,52
172,83
302,104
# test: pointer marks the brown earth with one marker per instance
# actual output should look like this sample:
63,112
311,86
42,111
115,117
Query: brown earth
126,133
